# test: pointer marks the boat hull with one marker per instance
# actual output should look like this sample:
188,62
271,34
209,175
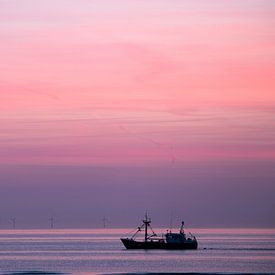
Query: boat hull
132,244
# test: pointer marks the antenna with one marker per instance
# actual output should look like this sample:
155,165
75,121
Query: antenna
171,221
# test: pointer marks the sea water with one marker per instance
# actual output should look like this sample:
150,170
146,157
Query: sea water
99,251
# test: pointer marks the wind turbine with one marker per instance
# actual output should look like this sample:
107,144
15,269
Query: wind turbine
105,221
52,222
13,220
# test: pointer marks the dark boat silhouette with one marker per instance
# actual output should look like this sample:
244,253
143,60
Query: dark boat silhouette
153,241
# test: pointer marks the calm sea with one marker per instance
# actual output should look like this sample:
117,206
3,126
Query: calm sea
101,252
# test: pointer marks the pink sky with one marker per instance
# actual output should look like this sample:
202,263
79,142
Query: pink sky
136,82
101,100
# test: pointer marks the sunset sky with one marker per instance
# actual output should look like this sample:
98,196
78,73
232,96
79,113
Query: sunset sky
115,107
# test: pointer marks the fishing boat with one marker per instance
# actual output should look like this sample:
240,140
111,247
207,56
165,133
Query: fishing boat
168,240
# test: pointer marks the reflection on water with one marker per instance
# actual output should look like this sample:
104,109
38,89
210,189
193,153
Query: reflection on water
100,251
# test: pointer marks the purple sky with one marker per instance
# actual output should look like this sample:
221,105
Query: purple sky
233,194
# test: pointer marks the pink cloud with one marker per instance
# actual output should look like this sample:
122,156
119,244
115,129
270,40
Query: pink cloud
71,75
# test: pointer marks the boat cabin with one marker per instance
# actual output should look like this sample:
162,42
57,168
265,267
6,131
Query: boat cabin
175,237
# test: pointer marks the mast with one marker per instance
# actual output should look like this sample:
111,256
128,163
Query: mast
146,223
182,227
